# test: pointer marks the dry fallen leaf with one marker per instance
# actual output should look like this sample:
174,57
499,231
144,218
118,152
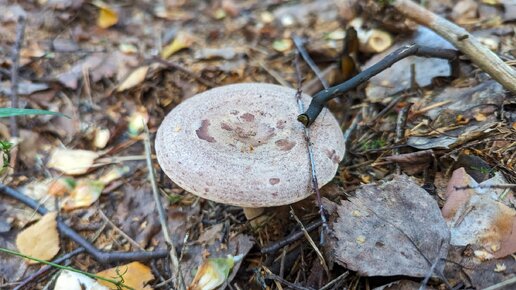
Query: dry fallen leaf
181,41
72,162
213,272
387,229
134,79
69,280
107,16
40,240
85,193
135,275
478,216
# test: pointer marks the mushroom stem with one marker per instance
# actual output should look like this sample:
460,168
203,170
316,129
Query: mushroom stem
253,212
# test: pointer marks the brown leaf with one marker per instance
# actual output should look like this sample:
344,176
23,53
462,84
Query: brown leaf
476,216
40,240
387,229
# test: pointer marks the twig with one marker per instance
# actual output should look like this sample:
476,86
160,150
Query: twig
401,123
482,186
502,284
15,58
272,276
298,42
100,256
118,284
315,183
32,278
291,238
484,58
319,100
161,213
314,246
119,231
337,281
178,67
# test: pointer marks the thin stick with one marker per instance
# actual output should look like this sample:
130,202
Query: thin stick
43,270
502,284
179,67
161,212
277,278
319,100
15,57
119,231
335,282
312,243
100,256
298,42
315,183
483,57
291,238
401,123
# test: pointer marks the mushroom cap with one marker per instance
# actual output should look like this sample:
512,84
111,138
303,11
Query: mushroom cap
242,145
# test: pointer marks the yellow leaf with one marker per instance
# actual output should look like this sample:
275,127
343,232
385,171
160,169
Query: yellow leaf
107,16
135,275
134,79
181,41
85,193
40,240
213,272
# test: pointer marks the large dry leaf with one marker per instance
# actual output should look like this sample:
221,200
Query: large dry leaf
72,162
387,229
40,240
135,275
478,216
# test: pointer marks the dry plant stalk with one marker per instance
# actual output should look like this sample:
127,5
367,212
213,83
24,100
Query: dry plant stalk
484,58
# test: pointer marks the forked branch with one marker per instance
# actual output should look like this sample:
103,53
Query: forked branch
319,100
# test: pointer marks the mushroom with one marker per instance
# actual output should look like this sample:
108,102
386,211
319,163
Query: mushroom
241,144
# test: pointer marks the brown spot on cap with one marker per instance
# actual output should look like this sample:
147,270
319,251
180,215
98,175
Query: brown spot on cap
274,181
226,126
203,133
333,156
280,124
285,144
248,117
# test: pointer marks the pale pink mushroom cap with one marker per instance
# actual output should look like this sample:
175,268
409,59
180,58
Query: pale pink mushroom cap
241,144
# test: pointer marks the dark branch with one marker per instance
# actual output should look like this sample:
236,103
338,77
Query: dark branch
100,256
319,100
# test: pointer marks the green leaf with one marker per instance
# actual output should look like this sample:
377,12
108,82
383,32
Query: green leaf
8,112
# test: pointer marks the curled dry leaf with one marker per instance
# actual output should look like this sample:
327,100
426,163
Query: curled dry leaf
69,280
40,240
213,272
393,228
85,193
478,216
135,78
72,162
181,41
